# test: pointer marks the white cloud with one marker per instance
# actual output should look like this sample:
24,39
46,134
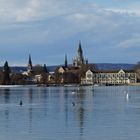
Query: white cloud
29,11
130,43
131,12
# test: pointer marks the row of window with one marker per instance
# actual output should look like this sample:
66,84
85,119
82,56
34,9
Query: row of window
114,75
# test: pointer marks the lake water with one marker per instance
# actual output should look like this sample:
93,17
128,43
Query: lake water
70,113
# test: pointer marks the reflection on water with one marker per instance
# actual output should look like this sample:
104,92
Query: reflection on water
71,113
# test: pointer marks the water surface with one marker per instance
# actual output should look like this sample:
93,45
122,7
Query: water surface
70,113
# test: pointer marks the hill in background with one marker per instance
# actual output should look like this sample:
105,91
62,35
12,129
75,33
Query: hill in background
100,66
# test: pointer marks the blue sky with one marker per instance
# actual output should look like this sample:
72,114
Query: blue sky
48,29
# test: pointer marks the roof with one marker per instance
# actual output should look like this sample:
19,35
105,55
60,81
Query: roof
113,71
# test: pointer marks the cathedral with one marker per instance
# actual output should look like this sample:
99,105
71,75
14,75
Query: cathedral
79,60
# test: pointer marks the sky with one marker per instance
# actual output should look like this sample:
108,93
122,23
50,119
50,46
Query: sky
109,31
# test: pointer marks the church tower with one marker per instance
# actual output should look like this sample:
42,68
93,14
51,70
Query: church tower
66,61
30,67
80,54
79,59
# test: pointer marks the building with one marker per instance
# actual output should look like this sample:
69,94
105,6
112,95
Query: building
79,60
67,75
88,79
112,77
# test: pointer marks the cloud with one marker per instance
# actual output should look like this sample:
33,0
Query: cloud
29,11
35,25
130,43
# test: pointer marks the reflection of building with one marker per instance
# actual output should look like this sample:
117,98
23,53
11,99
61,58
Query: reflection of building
79,60
113,77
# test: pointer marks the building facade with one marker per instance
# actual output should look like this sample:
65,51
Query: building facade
114,77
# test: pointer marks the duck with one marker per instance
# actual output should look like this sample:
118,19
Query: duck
73,103
20,103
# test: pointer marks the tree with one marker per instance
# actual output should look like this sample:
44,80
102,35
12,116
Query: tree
6,74
137,70
45,70
18,79
38,69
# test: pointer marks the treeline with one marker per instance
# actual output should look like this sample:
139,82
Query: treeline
8,77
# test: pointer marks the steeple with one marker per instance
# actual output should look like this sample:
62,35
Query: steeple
66,61
79,59
80,53
80,48
30,67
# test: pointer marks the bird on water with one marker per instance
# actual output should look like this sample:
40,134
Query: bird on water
20,103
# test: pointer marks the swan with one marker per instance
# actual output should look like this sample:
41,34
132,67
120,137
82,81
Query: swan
73,92
127,96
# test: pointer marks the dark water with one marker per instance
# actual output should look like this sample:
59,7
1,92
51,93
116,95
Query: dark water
70,113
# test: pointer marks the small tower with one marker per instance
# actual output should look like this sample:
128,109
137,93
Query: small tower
30,67
66,61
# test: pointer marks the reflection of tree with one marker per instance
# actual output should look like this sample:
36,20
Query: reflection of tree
6,98
6,112
30,119
6,95
30,93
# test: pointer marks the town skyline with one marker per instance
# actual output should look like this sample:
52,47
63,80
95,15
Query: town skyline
48,29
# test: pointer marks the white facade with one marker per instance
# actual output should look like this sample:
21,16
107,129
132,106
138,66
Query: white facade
120,77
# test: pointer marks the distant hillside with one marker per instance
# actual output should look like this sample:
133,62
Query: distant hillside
110,66
100,66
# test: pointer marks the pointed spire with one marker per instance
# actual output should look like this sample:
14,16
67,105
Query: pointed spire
30,67
80,48
30,61
66,62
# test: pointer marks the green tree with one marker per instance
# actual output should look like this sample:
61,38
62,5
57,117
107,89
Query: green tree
6,74
45,70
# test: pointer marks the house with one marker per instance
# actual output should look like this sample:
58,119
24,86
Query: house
89,78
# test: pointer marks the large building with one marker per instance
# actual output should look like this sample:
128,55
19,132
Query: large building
112,77
79,60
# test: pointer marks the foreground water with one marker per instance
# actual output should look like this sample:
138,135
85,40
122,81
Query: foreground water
69,113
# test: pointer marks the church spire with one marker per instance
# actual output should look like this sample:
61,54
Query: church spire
80,48
80,54
30,67
66,61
